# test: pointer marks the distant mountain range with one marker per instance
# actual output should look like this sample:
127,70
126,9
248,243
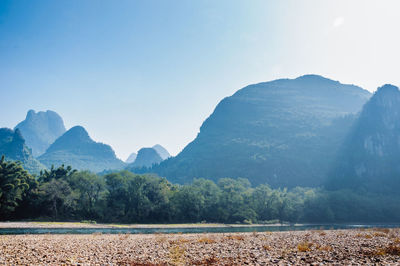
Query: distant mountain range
146,157
131,158
310,131
47,138
285,133
77,149
164,154
40,130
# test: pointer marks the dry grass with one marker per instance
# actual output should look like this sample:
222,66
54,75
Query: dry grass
123,236
177,255
393,250
179,241
367,236
304,246
267,248
235,237
380,234
325,248
206,240
382,230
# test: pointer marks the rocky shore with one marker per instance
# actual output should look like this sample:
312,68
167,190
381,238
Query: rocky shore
317,247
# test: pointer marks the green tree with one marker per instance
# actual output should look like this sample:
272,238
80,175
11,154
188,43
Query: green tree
57,197
14,181
90,191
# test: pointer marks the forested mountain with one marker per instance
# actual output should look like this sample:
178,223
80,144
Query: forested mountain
164,154
40,130
285,133
146,157
12,146
77,149
370,157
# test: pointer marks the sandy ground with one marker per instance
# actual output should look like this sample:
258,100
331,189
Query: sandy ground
373,246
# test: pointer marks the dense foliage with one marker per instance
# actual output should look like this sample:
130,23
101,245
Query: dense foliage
123,197
13,147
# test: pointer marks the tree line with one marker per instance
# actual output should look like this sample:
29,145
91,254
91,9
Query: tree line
64,194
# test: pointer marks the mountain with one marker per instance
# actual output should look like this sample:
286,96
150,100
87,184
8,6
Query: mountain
164,154
12,146
370,156
146,157
284,132
131,158
77,149
41,129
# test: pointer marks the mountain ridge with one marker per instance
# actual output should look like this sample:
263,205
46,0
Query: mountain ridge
76,148
369,158
264,132
41,129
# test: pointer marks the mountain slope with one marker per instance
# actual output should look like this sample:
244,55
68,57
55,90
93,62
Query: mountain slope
77,149
164,154
370,157
12,146
131,158
146,157
284,132
41,129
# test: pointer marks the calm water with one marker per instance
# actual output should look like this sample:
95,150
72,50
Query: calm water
9,231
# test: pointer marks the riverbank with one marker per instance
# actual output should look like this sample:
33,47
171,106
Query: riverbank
90,225
294,247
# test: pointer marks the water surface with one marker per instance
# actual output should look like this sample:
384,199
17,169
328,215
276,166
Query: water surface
228,229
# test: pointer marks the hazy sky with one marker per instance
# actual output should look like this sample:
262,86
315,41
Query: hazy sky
137,73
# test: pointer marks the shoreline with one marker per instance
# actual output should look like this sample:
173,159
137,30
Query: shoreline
128,226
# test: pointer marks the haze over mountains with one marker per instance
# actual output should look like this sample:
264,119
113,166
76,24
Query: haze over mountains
52,145
285,133
40,130
310,131
370,156
77,149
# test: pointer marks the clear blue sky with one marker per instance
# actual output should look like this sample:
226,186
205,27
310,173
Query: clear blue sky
137,73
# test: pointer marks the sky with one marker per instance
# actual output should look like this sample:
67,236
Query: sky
138,73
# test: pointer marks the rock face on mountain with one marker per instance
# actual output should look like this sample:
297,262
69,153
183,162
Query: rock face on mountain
370,156
164,154
146,157
77,149
12,146
131,158
40,130
285,133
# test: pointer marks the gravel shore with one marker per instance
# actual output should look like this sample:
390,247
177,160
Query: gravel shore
331,247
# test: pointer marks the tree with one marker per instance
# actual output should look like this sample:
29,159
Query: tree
90,191
14,182
61,172
57,197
